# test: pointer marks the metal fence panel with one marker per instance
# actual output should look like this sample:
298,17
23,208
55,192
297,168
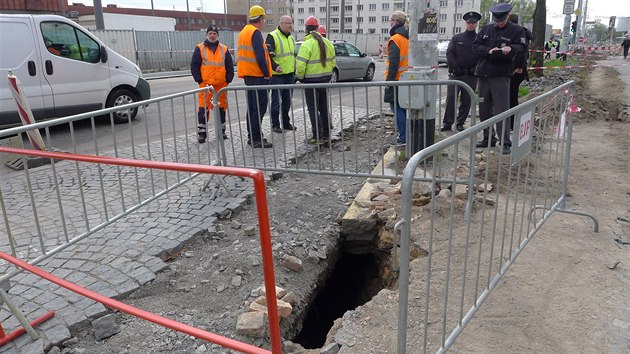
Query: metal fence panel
120,41
154,50
480,209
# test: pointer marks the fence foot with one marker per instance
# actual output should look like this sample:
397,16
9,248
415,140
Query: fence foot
568,211
4,339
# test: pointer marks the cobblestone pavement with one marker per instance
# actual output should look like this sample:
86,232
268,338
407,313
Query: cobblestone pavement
68,201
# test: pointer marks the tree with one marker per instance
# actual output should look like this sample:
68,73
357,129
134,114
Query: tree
528,10
538,32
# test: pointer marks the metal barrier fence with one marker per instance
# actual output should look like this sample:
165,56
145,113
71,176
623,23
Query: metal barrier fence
478,209
265,244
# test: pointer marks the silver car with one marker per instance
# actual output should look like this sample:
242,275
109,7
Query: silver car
351,62
442,46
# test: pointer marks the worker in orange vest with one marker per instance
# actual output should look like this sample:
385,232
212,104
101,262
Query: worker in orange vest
397,62
254,66
211,66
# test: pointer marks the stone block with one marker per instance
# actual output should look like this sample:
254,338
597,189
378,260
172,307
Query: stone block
251,324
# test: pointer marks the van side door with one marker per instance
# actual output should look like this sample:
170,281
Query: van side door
19,55
73,68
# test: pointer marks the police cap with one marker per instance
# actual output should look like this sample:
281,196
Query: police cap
501,11
472,16
212,28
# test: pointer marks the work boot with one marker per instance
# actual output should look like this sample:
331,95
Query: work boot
201,133
445,128
484,144
460,127
506,150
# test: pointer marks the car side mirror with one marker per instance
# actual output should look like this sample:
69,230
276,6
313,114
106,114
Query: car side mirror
363,55
103,52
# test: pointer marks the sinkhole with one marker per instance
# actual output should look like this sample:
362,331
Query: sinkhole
354,281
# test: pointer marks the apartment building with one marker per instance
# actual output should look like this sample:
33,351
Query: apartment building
355,16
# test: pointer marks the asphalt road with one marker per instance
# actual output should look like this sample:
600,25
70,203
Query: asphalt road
165,119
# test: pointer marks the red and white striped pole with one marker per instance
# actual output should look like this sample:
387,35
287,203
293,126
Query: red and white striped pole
24,109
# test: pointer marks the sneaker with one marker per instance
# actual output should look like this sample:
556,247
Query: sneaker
484,144
445,128
315,141
276,129
506,150
460,127
288,127
261,144
225,137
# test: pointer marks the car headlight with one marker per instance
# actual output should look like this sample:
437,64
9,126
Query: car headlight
137,68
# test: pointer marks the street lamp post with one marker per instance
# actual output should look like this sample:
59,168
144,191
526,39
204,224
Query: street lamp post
188,13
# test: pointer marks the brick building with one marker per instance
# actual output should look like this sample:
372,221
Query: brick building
198,20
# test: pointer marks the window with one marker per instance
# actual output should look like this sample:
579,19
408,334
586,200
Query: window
399,6
384,18
281,10
372,19
300,10
360,30
269,22
347,31
269,1
311,10
384,30
458,16
334,8
301,21
334,20
442,17
359,19
322,9
348,20
458,30
372,6
269,11
360,7
442,29
66,41
348,8
385,6
352,50
459,3
443,3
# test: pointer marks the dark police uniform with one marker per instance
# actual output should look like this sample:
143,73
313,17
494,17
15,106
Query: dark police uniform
461,66
494,71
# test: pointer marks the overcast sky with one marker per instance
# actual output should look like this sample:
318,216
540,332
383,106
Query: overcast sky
597,8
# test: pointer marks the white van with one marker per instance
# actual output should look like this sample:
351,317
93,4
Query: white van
64,70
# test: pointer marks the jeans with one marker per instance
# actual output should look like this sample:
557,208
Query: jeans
256,107
401,122
281,98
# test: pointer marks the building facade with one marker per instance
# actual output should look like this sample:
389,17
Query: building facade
185,21
355,16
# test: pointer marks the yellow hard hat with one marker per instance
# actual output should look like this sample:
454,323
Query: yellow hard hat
255,12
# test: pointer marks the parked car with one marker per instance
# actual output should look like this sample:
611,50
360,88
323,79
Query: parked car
442,46
64,70
351,62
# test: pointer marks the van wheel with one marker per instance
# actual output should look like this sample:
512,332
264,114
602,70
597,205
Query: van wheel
122,97
335,75
369,74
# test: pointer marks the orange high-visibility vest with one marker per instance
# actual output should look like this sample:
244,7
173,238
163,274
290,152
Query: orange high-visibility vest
213,64
403,45
247,65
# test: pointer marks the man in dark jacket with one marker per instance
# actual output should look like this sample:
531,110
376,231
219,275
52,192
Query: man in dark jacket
626,45
520,68
497,44
211,65
461,66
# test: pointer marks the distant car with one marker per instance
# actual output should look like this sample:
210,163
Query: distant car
442,46
351,62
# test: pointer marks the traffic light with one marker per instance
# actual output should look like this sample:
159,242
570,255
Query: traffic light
573,26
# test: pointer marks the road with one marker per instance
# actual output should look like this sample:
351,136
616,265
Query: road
164,119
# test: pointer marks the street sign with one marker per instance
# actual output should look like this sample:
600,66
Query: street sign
578,12
581,39
568,8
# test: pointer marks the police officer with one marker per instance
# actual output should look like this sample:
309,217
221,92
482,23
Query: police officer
211,65
497,44
282,44
254,66
461,66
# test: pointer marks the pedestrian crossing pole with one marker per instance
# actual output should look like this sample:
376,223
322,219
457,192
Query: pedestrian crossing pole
421,100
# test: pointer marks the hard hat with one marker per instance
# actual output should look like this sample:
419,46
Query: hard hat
255,12
311,21
322,30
